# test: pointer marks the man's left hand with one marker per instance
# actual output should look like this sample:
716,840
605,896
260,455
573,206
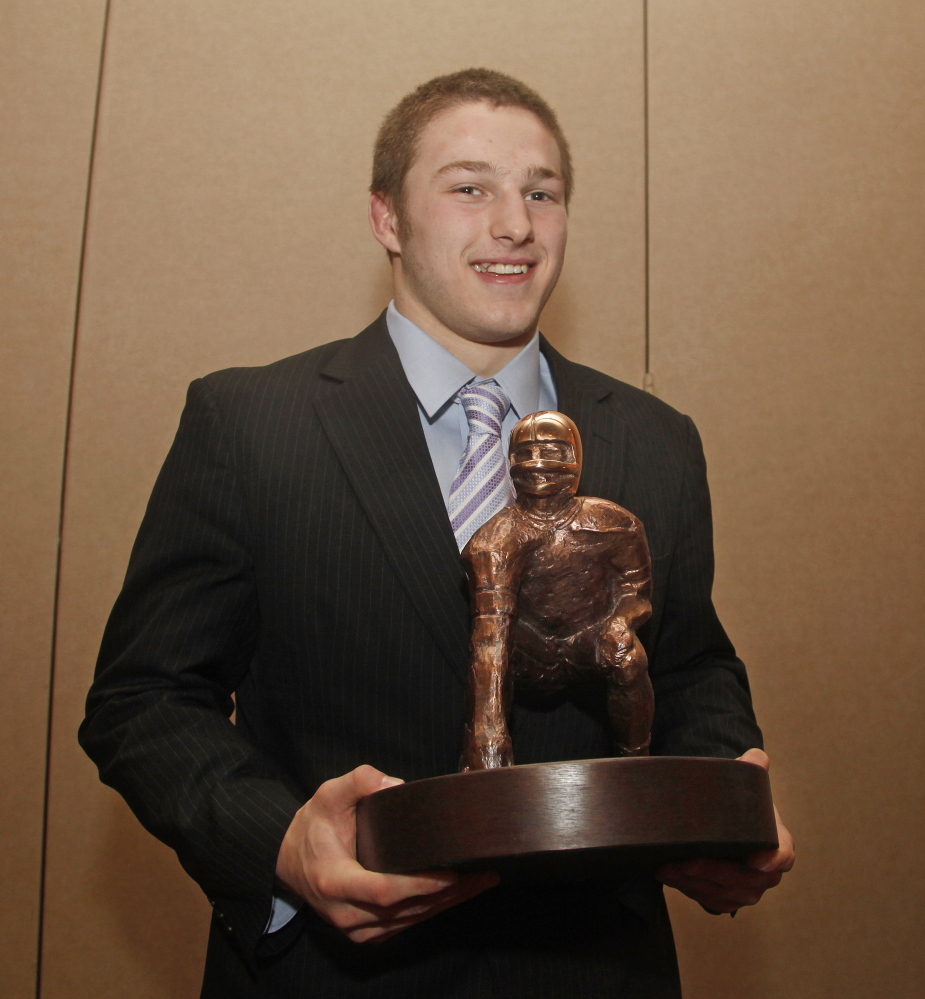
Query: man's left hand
725,886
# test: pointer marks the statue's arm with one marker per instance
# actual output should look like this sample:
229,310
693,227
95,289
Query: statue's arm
633,588
493,565
493,576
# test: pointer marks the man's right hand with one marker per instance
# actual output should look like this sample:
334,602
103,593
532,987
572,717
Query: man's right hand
317,861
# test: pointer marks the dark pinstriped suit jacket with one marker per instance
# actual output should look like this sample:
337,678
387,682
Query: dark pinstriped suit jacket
296,550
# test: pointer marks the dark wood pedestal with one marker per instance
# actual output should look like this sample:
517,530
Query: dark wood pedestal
576,819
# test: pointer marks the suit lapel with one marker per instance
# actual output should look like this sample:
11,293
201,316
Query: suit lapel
583,395
370,415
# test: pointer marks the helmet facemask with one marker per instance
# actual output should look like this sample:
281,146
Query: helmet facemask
545,455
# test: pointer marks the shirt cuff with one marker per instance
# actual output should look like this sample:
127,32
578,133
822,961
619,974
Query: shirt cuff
284,907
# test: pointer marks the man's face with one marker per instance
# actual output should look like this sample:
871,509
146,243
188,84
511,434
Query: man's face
483,228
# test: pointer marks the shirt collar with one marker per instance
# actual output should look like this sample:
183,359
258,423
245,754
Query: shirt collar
436,375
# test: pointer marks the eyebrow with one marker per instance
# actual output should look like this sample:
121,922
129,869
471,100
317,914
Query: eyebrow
483,166
472,166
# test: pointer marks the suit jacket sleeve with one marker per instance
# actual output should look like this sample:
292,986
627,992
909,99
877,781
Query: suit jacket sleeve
178,642
703,703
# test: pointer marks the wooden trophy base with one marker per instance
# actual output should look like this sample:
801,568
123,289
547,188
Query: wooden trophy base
578,819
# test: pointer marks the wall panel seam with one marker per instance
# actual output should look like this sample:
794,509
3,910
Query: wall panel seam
78,300
648,380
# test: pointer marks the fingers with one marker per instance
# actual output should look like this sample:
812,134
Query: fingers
723,886
363,904
361,887
364,921
718,885
724,874
377,925
781,859
317,861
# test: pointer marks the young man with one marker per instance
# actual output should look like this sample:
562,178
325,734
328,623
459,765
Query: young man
301,549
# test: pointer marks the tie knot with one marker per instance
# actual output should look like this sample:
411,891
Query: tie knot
486,405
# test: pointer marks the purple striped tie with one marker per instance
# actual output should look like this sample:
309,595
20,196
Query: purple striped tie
482,485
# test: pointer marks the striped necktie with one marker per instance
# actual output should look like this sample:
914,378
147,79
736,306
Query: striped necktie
482,485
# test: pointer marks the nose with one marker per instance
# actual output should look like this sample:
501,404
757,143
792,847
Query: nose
511,221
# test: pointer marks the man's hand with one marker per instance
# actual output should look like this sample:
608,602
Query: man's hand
317,861
723,886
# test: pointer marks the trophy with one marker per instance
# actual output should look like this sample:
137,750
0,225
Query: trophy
559,584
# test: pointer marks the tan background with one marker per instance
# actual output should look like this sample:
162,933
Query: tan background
773,153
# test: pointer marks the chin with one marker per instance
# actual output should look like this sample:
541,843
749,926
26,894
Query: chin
498,329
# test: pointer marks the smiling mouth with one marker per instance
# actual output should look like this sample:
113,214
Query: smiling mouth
501,268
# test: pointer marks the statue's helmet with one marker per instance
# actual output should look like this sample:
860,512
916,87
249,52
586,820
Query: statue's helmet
547,442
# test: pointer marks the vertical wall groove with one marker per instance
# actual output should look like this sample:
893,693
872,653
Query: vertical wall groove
78,298
648,379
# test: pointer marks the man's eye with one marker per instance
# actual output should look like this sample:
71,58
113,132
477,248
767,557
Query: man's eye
539,196
468,189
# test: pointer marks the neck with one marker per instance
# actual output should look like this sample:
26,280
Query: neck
484,359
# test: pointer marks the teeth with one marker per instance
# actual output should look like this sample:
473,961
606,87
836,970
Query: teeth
502,268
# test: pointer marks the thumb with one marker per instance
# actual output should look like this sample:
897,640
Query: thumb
758,756
367,779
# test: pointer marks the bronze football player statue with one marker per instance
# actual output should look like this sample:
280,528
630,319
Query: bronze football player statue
559,585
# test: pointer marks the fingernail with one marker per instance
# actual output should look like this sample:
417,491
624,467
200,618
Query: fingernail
390,782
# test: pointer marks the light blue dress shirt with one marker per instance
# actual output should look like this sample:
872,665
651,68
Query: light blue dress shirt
436,376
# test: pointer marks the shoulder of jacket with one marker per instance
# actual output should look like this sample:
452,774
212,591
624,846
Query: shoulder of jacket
300,366
629,398
646,416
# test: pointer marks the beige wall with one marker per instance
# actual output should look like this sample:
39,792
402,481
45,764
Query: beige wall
227,226
51,54
788,310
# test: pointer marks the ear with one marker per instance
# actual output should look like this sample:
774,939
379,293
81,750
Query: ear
383,223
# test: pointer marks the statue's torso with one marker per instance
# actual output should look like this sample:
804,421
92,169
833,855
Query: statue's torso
567,580
570,573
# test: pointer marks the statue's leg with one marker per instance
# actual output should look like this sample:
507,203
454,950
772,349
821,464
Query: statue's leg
630,701
487,740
